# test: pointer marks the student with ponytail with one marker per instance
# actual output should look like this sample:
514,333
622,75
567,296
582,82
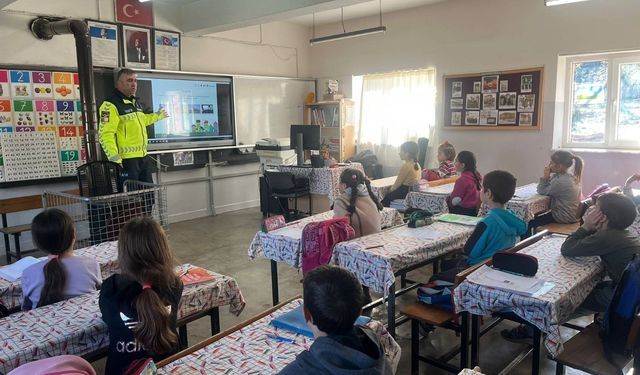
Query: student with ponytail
408,175
140,304
358,203
62,275
563,187
465,197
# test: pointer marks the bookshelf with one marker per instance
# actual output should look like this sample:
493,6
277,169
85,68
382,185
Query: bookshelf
336,126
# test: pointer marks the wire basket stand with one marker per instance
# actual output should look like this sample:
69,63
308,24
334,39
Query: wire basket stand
99,219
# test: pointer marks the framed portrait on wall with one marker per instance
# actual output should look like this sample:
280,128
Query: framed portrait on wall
104,43
136,47
166,47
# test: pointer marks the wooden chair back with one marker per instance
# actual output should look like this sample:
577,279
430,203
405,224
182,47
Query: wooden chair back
26,203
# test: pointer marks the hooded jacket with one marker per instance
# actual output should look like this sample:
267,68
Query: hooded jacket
357,353
499,230
117,305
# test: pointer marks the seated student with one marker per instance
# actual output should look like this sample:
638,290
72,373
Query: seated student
332,301
408,175
628,191
500,229
563,188
604,233
59,365
140,304
62,275
465,197
358,203
446,168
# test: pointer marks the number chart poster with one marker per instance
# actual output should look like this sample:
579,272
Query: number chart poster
43,101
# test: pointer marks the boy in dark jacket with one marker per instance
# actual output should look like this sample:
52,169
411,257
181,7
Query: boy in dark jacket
604,234
332,303
500,229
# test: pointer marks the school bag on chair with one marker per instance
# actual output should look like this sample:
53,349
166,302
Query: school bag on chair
319,238
618,329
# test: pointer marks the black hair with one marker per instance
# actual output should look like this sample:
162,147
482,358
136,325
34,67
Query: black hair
619,210
352,178
469,160
568,159
334,298
502,185
411,148
53,232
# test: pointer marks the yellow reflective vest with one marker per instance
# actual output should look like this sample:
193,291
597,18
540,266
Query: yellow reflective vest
123,127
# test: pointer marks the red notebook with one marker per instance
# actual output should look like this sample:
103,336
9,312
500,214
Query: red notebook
194,275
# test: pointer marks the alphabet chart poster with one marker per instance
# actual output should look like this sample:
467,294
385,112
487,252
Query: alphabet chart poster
45,104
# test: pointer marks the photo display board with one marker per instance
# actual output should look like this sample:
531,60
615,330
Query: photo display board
499,100
40,101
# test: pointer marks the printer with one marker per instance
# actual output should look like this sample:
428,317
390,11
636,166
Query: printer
275,151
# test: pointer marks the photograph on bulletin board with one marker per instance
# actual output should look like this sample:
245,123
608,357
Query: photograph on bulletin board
136,47
104,43
506,100
166,50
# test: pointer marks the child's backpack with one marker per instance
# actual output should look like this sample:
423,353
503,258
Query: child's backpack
620,314
319,238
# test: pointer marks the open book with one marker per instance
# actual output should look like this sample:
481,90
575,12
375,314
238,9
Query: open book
490,277
459,219
13,272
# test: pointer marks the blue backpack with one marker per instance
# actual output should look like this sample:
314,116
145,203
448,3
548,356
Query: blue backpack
621,312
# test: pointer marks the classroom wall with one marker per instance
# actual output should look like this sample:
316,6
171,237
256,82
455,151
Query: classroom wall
467,36
275,49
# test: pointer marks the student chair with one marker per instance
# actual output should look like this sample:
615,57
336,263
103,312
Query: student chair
585,352
284,185
438,317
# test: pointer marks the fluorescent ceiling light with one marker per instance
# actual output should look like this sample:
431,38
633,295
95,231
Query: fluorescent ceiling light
347,35
143,1
560,2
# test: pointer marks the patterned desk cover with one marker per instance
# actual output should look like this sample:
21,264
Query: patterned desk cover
525,204
573,280
75,326
250,351
322,181
287,249
434,199
381,186
376,258
105,253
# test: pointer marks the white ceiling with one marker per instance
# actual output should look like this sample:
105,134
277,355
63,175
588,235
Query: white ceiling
369,8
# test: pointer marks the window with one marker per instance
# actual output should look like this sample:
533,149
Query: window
602,101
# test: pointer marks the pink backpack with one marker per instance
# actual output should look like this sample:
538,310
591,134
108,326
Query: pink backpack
319,238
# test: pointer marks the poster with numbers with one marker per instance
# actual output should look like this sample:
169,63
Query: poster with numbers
45,104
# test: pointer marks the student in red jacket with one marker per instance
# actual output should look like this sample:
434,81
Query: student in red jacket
465,197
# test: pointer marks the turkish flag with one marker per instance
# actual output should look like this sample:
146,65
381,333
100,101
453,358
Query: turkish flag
134,12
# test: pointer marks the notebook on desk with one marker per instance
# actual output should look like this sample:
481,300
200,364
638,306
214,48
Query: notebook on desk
294,321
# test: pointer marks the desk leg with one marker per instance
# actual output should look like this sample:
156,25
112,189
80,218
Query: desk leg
464,340
215,321
183,339
475,339
274,282
403,280
391,310
535,360
415,346
16,239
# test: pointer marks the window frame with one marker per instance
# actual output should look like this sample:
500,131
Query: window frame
615,60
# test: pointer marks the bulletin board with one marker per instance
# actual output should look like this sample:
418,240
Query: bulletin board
507,100
41,126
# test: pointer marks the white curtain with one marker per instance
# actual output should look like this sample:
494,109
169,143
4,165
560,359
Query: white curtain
395,108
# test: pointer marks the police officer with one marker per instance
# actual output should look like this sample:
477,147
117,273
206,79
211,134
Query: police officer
123,127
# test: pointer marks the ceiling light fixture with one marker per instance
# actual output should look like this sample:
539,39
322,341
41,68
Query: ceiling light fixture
345,34
550,3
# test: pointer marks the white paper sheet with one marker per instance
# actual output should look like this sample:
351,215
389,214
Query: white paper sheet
506,281
13,272
292,232
423,233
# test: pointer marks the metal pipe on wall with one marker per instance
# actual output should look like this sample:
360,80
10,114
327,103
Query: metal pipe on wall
45,28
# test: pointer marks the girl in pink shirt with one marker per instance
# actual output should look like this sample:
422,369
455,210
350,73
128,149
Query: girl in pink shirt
465,197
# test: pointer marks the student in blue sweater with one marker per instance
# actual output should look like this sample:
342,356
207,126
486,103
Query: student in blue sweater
500,229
